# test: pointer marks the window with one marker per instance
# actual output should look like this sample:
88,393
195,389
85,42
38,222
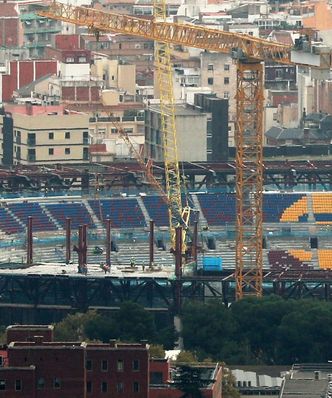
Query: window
85,153
70,60
136,386
279,73
85,138
1,360
18,385
119,365
210,67
104,386
88,364
67,151
51,136
226,80
114,131
31,155
210,80
156,378
88,386
226,67
40,384
67,135
104,365
2,385
81,60
50,151
136,364
31,139
128,131
119,387
226,95
56,383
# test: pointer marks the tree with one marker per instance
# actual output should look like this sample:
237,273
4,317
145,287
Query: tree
228,385
207,328
135,323
186,357
156,351
72,328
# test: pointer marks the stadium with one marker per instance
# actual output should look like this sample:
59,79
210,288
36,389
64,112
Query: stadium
40,276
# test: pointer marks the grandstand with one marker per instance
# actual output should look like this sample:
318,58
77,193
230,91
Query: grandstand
290,219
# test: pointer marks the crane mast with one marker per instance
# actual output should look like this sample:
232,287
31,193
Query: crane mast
163,69
249,52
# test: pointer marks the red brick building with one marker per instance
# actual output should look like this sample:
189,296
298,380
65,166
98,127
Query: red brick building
38,367
27,332
11,34
22,73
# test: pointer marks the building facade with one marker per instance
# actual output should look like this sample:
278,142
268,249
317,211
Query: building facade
191,127
46,139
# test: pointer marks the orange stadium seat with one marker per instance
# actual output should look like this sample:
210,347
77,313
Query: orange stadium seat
302,255
295,211
325,258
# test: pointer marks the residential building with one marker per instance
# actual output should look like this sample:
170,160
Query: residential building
34,366
38,31
116,75
191,127
17,74
218,71
49,138
127,50
27,332
10,26
165,379
104,130
217,125
8,54
307,380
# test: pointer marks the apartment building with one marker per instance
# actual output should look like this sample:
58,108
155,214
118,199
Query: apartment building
33,365
191,127
38,32
10,27
44,139
218,71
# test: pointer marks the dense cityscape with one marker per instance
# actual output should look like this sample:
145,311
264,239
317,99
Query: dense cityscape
165,198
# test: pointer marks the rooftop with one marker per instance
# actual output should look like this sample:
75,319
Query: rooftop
180,110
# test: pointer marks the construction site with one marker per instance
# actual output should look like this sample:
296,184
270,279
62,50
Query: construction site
161,234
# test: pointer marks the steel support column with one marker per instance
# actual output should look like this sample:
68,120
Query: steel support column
108,242
151,243
29,242
249,179
84,244
68,240
195,242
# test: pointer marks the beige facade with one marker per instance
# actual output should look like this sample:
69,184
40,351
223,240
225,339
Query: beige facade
218,72
191,128
115,75
48,139
104,131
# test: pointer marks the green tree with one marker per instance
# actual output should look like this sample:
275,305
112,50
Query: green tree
207,328
228,385
135,323
72,328
186,357
157,351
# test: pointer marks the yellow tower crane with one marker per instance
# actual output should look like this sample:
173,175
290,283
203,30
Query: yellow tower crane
249,53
